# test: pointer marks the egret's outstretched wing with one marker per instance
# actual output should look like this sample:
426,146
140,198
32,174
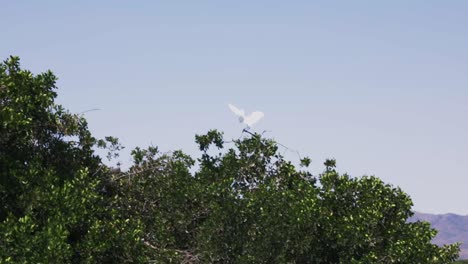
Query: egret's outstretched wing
253,118
236,110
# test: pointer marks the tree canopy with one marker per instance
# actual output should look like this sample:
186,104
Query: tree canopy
239,202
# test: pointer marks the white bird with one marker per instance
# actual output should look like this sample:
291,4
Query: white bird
249,120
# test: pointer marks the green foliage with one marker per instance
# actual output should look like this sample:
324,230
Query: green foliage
242,203
247,204
51,206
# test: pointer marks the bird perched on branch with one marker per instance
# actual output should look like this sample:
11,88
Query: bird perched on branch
250,119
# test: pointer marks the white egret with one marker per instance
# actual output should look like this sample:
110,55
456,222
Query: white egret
250,119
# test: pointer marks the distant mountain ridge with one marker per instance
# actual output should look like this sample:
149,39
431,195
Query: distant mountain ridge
452,228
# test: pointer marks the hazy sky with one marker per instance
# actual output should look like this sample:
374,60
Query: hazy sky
382,86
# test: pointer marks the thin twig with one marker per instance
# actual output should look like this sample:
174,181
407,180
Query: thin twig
94,109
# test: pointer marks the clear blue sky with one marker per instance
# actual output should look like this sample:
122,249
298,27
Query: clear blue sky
382,86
